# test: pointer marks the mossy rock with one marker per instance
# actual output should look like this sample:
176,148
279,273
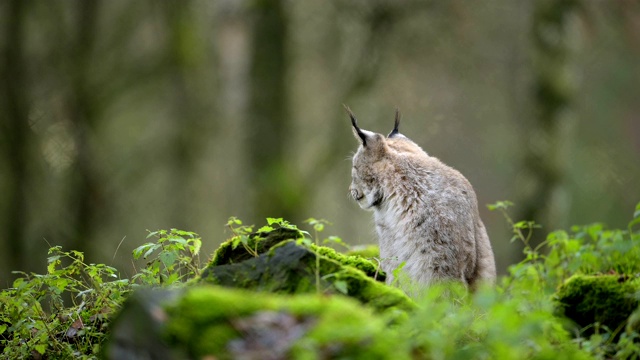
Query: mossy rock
262,242
605,299
219,323
290,268
137,330
239,324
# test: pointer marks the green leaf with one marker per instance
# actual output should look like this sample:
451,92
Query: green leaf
77,254
152,249
51,268
61,284
3,328
167,258
396,271
40,348
197,244
594,230
520,225
137,252
500,205
265,229
304,241
172,278
55,249
179,240
272,221
341,286
175,246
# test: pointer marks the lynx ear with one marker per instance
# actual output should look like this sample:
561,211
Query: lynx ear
357,132
395,131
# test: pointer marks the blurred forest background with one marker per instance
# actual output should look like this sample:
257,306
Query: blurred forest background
120,116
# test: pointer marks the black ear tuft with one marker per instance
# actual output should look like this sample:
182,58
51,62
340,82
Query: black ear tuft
395,131
354,123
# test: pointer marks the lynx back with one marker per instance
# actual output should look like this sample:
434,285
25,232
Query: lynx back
425,212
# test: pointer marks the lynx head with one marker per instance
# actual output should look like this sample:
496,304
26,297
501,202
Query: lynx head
372,160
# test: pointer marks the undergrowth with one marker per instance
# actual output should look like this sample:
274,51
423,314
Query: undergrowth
65,312
518,318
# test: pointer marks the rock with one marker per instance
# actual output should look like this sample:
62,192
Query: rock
136,332
606,299
290,268
237,308
263,241
215,322
212,322
227,253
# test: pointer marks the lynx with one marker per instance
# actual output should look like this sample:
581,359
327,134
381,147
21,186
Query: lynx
425,212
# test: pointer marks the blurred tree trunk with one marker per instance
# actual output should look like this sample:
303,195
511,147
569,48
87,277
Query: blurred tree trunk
86,193
545,200
16,136
276,191
187,130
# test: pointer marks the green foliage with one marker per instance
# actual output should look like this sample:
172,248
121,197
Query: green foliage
245,236
318,227
518,319
585,273
585,250
450,323
65,313
62,313
176,260
242,235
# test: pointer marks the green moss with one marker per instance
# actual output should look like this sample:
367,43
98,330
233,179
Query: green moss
290,268
205,321
365,251
606,299
367,266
